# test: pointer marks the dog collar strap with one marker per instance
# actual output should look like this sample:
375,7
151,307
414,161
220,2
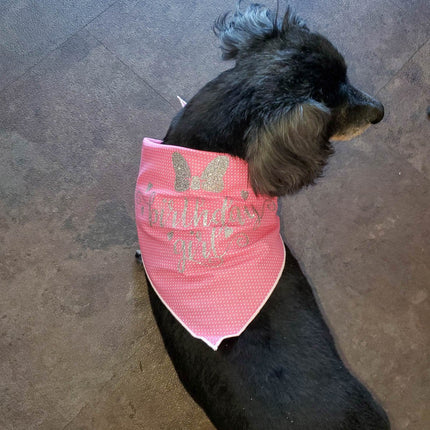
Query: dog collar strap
211,248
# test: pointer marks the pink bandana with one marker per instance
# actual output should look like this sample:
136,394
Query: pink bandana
211,248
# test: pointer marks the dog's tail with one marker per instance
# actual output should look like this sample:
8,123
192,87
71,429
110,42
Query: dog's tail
242,31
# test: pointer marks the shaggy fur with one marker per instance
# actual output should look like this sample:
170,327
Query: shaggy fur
278,108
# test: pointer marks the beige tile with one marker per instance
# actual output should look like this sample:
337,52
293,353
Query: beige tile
145,394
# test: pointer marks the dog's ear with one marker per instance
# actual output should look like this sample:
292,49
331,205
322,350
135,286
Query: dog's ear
243,31
289,149
240,31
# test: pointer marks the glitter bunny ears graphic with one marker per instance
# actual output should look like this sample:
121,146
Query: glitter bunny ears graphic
210,180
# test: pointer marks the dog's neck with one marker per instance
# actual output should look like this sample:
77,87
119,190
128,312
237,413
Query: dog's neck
207,122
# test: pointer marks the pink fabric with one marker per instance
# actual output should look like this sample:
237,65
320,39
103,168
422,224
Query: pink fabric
211,248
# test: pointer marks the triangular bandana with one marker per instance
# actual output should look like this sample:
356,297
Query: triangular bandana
211,248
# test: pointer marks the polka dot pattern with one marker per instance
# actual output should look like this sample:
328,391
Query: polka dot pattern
211,248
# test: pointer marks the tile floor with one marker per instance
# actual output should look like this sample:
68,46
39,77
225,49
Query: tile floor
81,82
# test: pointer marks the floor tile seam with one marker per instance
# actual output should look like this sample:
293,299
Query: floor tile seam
49,52
141,78
76,415
47,400
394,150
401,68
406,61
87,403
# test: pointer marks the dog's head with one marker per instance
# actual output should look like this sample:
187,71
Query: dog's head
282,103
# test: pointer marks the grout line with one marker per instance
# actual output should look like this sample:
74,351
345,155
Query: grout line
401,68
75,416
101,13
141,78
30,68
48,401
393,150
101,43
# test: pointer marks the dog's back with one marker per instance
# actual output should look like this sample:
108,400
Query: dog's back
283,372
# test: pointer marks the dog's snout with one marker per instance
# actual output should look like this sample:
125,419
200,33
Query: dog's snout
376,113
370,109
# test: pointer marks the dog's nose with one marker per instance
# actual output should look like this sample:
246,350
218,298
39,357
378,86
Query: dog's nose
368,108
376,113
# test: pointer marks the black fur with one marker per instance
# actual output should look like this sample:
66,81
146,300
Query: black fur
280,105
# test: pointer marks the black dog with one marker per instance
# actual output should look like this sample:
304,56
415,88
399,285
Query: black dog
278,108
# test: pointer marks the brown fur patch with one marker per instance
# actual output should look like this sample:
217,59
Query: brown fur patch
350,134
